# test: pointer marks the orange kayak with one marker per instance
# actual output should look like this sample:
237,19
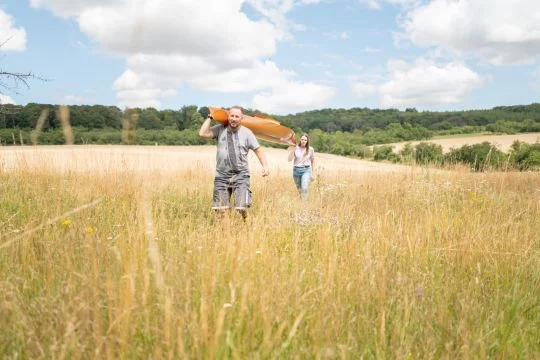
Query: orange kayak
264,128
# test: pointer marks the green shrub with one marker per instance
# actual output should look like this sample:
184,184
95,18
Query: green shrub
428,153
384,152
525,156
479,157
407,153
363,151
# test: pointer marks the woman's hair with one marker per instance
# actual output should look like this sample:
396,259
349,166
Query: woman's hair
307,143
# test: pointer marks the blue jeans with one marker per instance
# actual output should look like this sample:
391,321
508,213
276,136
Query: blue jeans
302,177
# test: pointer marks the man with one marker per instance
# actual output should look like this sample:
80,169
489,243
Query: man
232,171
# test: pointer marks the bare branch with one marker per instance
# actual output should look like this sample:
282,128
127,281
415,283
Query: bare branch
14,80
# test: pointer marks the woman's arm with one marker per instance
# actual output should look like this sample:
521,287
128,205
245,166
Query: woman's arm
313,165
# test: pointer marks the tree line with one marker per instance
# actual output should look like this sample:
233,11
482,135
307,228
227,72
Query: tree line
338,131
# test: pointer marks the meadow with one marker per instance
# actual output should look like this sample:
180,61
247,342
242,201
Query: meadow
113,252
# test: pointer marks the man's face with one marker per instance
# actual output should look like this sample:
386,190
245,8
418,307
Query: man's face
235,118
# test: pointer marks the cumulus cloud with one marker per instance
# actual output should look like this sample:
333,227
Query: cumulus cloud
168,43
67,8
12,38
259,76
154,72
75,99
5,99
293,96
155,27
140,90
423,83
426,83
500,31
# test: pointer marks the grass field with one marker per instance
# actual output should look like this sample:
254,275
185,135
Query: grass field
113,252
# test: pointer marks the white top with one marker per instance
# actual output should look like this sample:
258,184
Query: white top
301,159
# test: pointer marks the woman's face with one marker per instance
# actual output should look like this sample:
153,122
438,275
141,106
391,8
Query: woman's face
303,141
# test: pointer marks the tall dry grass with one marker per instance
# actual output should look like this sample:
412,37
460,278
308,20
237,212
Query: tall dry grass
412,265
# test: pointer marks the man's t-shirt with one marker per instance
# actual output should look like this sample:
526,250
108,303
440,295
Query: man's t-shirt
232,149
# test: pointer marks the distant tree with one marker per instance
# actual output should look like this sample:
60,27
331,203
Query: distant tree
190,118
150,119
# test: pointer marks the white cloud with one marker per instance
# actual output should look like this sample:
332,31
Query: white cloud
139,90
168,43
5,99
423,83
426,83
67,8
260,76
155,27
500,31
276,11
293,96
12,38
75,99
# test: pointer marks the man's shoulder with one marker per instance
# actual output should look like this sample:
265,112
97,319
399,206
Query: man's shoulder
217,129
245,130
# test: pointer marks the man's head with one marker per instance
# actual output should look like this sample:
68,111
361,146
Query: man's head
235,117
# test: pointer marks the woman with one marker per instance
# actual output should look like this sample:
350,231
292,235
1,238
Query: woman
303,165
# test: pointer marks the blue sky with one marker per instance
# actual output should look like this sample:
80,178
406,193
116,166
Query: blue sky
278,56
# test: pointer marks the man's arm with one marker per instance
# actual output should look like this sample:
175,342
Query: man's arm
205,130
262,159
291,152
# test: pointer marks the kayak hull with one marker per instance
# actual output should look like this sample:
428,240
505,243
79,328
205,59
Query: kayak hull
262,127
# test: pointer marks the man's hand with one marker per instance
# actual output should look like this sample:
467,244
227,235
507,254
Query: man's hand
265,171
289,139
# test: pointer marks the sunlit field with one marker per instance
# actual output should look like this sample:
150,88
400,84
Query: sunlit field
113,252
